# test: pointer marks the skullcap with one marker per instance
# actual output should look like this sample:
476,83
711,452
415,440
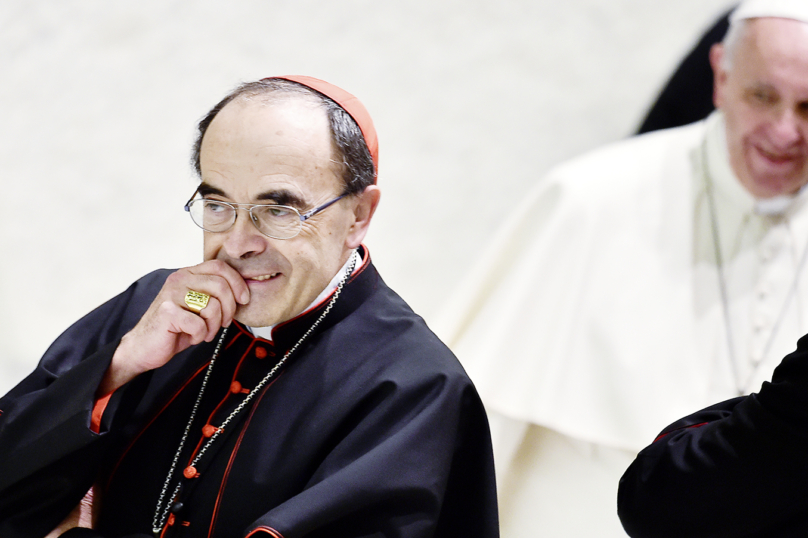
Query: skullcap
349,104
783,9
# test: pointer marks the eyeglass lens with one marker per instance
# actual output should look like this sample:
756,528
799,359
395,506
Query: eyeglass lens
280,222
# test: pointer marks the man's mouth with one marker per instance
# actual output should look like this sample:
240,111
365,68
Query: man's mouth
777,157
261,278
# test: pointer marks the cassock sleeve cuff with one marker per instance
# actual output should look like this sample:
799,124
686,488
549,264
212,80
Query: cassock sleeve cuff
98,412
265,531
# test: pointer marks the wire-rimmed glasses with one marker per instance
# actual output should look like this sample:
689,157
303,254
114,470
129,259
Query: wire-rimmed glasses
272,220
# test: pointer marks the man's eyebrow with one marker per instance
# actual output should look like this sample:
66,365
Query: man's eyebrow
280,197
206,189
283,197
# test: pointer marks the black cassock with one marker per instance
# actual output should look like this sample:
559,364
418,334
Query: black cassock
371,428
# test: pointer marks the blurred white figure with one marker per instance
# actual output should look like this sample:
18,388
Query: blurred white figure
644,281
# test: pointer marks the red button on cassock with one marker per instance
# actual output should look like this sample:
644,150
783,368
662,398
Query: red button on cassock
260,352
208,430
190,472
235,387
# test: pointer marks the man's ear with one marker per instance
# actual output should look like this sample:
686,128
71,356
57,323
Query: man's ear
366,203
719,73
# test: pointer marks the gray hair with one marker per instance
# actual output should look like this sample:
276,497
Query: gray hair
732,39
354,161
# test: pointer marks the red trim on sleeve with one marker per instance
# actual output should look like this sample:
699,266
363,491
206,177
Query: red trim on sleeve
98,412
663,435
266,530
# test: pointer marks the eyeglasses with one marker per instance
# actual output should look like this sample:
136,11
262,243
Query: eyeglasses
272,220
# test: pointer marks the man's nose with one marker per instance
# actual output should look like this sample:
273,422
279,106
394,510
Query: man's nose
243,238
787,128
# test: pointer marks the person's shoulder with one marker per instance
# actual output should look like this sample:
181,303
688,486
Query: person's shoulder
131,303
104,324
157,274
633,158
154,278
394,330
645,170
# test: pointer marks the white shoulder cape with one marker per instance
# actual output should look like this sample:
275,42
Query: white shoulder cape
580,316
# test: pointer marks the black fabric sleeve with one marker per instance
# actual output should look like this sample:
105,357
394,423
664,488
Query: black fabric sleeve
49,453
736,469
419,464
49,456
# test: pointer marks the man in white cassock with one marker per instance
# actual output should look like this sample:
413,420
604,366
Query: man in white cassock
644,280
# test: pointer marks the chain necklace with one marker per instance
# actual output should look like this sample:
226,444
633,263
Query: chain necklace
161,512
741,386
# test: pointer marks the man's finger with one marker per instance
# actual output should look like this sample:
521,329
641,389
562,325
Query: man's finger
213,317
239,288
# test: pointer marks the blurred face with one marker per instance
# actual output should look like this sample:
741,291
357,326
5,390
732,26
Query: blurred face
764,97
279,152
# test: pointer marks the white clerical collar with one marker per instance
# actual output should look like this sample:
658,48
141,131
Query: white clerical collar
266,332
727,182
778,205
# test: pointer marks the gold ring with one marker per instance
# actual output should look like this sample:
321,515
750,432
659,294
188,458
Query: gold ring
196,301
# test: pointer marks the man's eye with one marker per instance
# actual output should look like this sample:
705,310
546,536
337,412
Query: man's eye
215,211
214,207
763,97
278,212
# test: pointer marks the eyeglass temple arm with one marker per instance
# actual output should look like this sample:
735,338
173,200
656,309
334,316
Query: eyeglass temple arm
188,203
310,213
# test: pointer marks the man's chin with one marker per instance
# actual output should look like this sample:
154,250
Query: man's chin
769,180
774,186
254,317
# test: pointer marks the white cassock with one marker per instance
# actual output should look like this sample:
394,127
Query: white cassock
598,317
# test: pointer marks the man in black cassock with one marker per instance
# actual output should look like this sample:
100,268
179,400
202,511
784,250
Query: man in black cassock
279,388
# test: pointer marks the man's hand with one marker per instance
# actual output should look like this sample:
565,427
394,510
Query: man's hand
81,516
168,327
